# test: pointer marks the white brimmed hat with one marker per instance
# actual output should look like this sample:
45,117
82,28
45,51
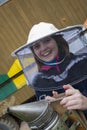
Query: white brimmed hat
41,30
37,32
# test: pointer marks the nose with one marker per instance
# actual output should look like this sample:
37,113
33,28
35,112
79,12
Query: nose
43,46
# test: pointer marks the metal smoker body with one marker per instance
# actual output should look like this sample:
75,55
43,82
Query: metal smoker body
41,115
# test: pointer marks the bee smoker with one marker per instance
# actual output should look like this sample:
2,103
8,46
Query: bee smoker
40,115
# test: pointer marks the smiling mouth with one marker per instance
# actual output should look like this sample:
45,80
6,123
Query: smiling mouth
47,53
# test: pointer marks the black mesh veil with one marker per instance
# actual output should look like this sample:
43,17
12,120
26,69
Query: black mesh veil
76,37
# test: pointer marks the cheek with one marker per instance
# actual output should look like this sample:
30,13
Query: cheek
36,52
54,46
56,49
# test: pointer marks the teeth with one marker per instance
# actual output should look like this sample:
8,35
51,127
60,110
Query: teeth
46,53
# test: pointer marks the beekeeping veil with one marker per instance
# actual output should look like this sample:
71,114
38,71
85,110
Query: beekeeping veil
76,37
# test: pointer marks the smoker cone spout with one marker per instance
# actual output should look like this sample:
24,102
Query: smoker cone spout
35,113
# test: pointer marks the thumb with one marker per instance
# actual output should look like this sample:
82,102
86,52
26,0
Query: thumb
69,90
68,86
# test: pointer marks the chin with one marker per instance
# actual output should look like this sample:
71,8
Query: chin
49,59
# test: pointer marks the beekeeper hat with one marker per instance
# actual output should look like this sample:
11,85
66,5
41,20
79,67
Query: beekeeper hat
39,31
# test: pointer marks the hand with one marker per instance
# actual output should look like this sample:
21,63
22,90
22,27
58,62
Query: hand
74,99
49,98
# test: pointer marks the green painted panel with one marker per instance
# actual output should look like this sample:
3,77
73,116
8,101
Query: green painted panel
7,90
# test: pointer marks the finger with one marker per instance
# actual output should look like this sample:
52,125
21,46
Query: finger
69,90
67,100
71,107
71,103
49,98
68,86
55,94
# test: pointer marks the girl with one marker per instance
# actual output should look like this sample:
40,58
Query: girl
56,66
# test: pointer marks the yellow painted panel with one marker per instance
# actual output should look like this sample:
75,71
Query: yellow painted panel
15,68
20,81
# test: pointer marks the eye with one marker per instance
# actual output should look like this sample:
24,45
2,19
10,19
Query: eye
36,46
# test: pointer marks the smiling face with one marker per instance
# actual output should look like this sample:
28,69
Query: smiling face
46,49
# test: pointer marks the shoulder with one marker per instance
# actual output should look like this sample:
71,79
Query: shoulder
81,55
77,62
78,58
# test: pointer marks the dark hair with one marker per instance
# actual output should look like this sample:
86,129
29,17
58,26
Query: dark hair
62,44
63,49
